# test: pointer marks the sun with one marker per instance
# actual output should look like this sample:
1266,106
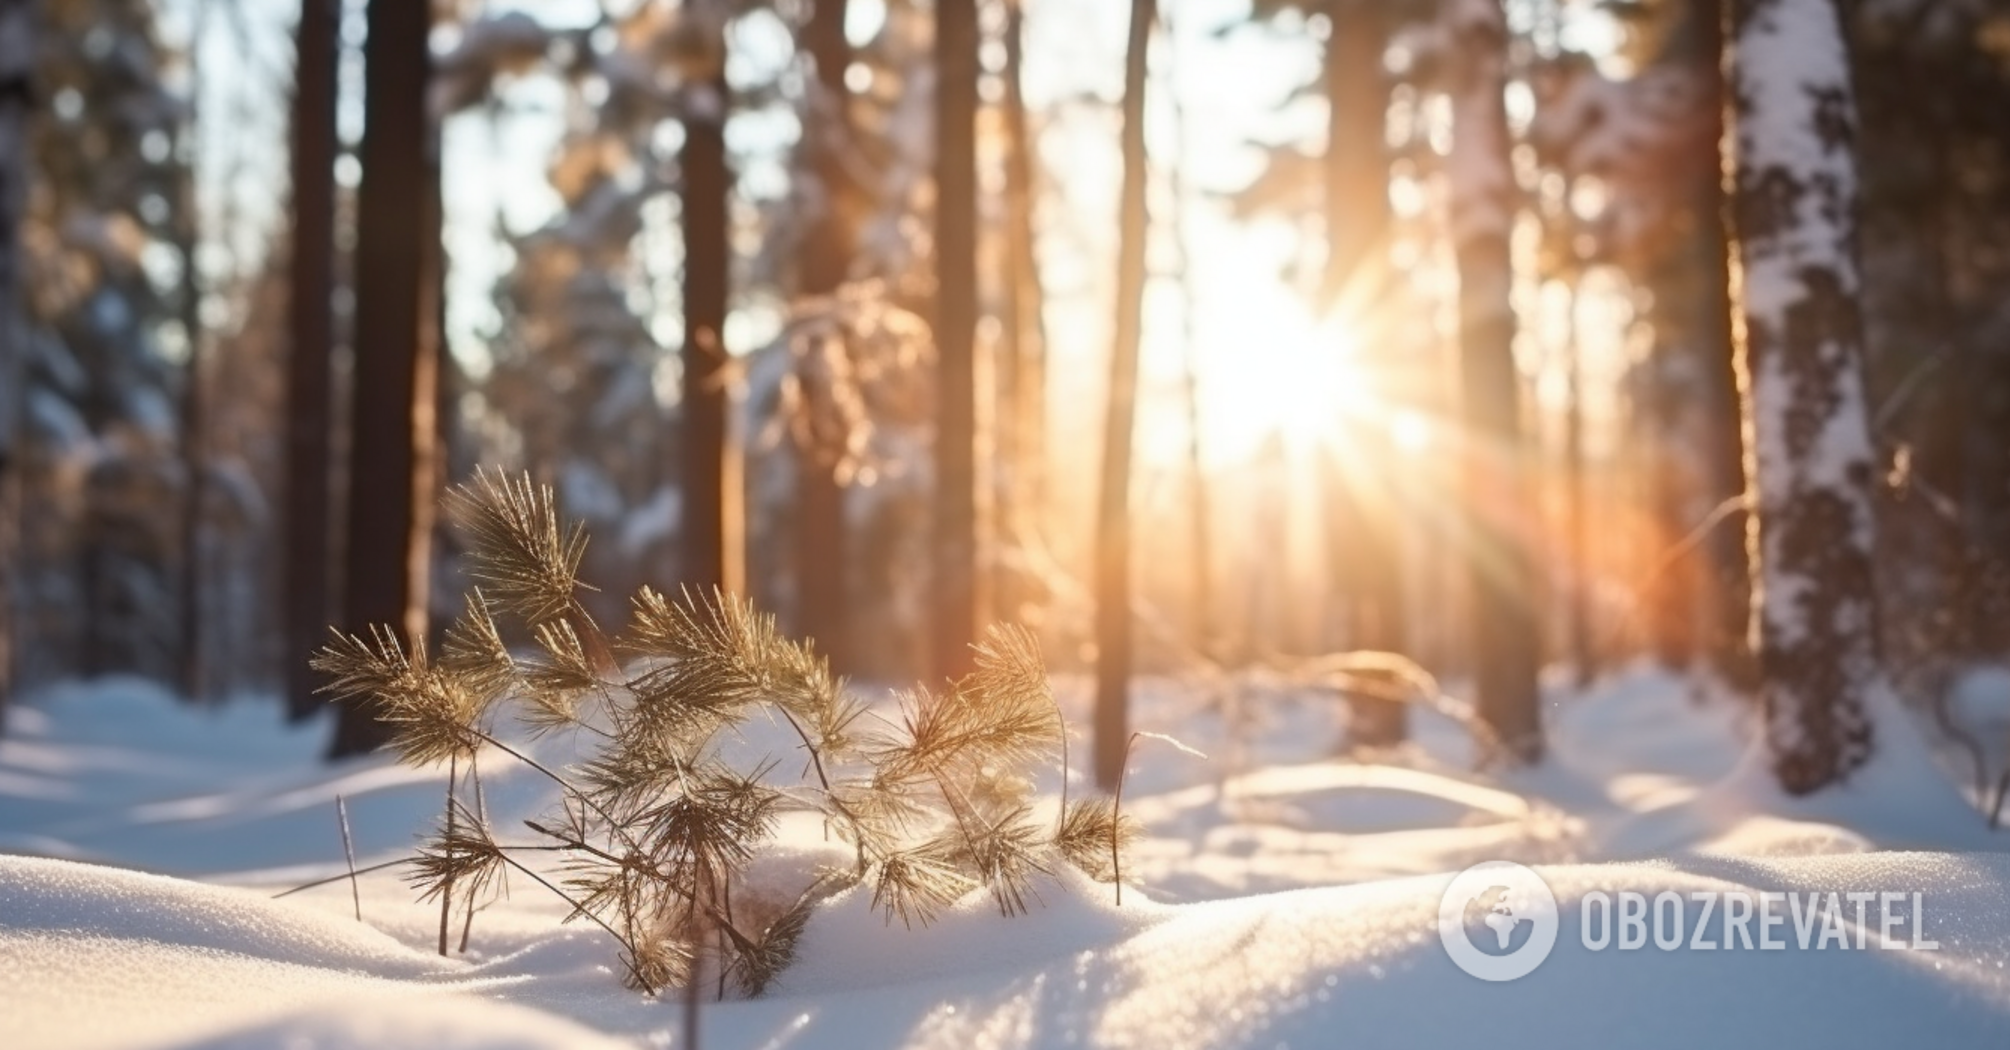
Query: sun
1291,380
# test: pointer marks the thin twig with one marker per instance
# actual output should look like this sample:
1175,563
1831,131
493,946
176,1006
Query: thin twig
482,816
349,853
576,906
447,884
1117,820
353,872
1061,717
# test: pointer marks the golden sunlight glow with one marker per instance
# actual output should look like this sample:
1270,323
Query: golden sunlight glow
1283,379
1290,380
1411,431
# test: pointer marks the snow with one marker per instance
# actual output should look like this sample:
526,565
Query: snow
1784,60
1280,902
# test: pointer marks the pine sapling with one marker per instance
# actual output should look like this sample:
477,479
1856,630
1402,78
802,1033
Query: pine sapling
655,829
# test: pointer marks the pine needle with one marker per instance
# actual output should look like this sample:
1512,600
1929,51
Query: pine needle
918,882
460,855
1088,828
517,548
475,654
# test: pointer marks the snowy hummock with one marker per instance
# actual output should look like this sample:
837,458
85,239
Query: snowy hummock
1279,899
98,957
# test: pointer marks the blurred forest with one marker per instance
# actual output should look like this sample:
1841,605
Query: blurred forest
1201,337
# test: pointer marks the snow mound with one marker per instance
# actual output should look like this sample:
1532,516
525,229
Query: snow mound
439,1023
112,959
54,897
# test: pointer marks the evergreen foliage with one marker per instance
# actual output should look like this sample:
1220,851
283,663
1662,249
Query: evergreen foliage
657,827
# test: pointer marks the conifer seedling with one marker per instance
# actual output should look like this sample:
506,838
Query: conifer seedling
656,827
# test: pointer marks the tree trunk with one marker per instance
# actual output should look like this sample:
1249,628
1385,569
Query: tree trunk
1025,348
1366,552
311,320
1113,521
820,517
1583,651
1728,644
17,105
1504,635
1800,362
1357,164
707,285
398,254
188,237
955,541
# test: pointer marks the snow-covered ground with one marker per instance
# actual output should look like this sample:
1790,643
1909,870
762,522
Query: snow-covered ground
1281,898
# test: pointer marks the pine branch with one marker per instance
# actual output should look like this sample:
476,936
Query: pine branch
656,831
516,546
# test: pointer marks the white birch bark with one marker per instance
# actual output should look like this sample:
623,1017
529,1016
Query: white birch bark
1808,459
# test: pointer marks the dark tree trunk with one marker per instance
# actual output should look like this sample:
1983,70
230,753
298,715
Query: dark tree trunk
1504,635
17,105
1727,639
820,520
187,236
955,541
1113,519
1366,548
311,328
1800,360
708,261
392,476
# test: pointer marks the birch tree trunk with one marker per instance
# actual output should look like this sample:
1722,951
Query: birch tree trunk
1808,459
1504,638
17,102
1113,517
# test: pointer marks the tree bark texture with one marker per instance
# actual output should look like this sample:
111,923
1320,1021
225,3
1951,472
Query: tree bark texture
1808,456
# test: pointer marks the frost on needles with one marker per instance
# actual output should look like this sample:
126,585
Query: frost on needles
655,828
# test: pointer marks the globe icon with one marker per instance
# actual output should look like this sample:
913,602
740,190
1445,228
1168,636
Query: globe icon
1491,908
1497,920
